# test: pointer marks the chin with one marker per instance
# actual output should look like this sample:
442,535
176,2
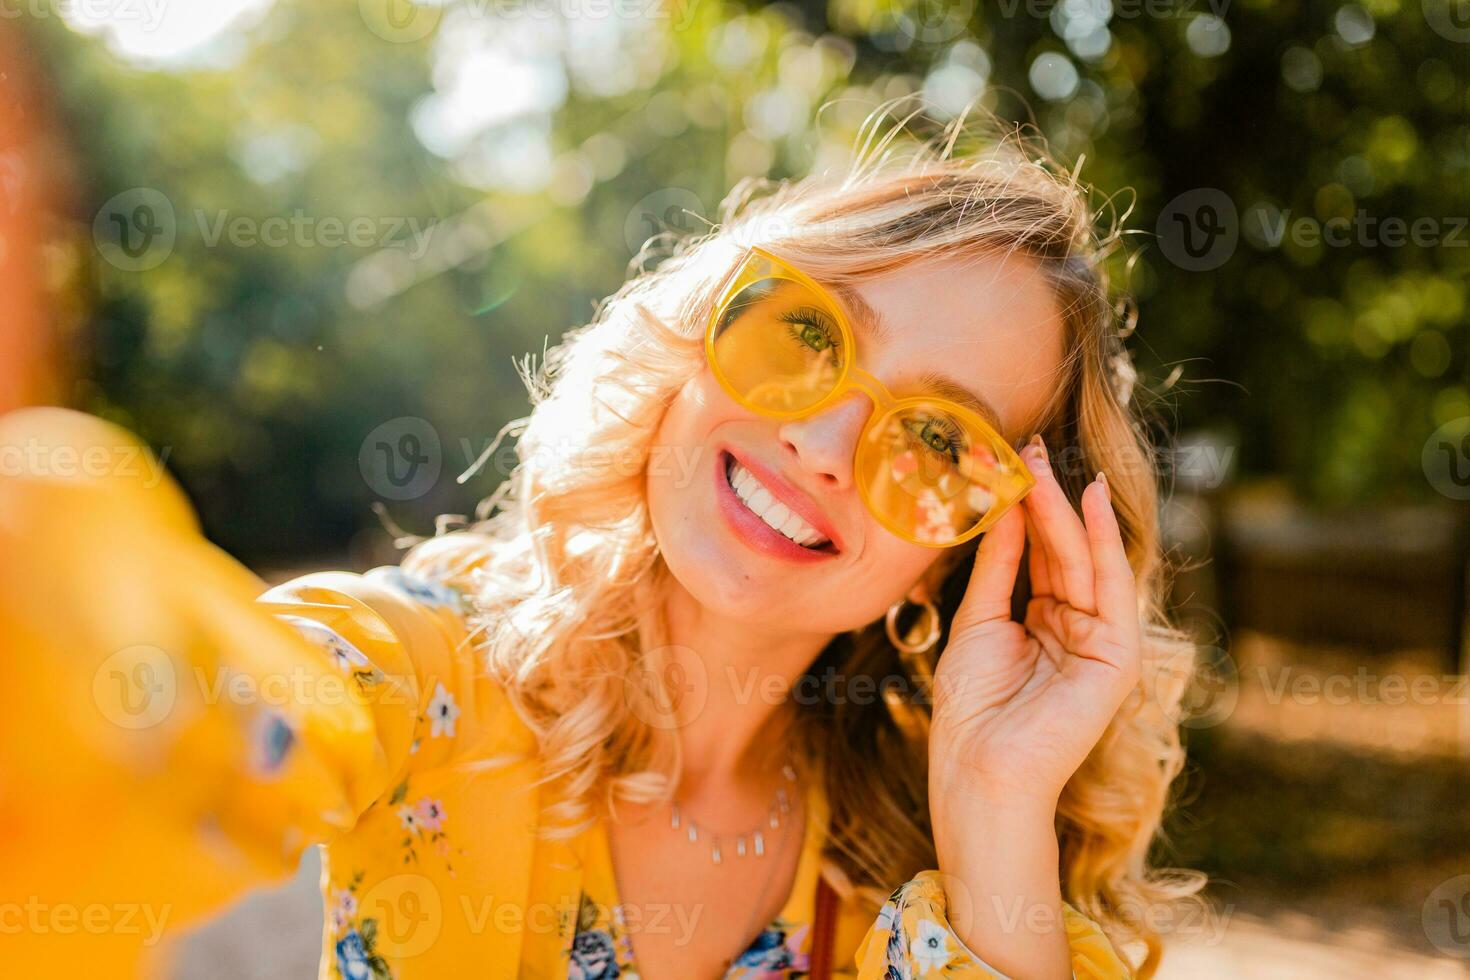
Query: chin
711,572
715,575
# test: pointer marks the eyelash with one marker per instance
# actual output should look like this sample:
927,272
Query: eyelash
811,318
951,434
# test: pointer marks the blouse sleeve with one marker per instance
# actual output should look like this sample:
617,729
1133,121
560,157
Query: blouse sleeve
169,736
912,939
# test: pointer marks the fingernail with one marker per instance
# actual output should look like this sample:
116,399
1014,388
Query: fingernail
1102,478
1035,457
1039,444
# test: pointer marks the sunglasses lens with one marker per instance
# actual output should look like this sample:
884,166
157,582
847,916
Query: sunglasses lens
931,475
778,346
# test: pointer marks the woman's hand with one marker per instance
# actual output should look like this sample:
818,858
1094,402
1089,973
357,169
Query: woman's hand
1018,706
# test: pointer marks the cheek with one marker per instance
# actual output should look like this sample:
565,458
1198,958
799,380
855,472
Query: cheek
889,569
686,422
678,447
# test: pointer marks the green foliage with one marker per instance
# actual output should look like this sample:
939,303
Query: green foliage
263,367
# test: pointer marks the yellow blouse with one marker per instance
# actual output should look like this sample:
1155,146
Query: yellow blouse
172,737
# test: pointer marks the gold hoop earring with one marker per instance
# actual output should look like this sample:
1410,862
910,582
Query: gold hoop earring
931,637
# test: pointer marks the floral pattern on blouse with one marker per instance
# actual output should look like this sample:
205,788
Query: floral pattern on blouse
424,591
422,821
779,951
912,939
351,935
601,950
354,937
343,651
915,938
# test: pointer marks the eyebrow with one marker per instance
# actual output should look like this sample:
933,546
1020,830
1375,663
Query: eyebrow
871,322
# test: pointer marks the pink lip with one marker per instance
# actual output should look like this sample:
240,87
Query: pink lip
756,532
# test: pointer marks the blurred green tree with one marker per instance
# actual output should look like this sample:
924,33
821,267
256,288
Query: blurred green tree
505,168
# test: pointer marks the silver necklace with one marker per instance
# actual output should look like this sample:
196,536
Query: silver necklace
751,842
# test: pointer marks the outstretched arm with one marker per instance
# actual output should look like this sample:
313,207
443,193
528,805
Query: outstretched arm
169,736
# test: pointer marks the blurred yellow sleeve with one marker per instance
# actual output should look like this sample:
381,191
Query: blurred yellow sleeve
169,736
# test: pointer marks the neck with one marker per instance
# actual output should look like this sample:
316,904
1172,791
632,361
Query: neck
735,717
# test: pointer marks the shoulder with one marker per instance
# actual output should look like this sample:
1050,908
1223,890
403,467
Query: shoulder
410,633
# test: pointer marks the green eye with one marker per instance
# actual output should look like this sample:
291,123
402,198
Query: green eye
938,435
812,330
815,338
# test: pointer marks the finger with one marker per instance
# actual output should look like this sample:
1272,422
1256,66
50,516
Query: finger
1038,562
1041,621
1045,563
1094,639
1062,529
993,579
1054,571
1114,582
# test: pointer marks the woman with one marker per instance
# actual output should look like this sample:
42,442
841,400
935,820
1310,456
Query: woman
772,657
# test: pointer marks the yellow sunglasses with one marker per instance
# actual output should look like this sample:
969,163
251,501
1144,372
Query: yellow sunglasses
932,471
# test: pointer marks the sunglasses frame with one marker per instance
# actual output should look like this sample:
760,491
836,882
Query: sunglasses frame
852,377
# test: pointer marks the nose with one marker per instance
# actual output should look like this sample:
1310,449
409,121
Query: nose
824,443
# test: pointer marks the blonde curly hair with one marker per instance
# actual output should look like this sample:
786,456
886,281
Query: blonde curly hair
566,572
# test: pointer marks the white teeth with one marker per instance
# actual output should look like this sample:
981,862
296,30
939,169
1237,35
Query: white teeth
792,527
774,513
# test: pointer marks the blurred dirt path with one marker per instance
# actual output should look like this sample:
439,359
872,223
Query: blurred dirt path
1292,947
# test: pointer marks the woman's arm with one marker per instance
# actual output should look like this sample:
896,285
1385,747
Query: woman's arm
1019,706
170,737
915,935
1000,864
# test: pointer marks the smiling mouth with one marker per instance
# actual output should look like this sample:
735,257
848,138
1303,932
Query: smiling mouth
759,500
